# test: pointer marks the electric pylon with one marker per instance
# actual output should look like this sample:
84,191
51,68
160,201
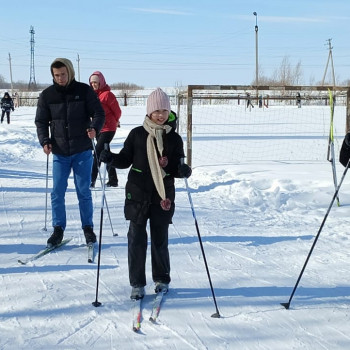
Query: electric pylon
32,82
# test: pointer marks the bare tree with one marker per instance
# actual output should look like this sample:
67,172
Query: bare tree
285,74
298,74
125,88
3,83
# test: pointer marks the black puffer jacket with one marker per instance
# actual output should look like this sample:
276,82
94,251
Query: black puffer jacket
142,200
7,103
68,112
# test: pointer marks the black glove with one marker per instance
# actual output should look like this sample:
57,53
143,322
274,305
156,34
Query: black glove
184,170
106,156
347,139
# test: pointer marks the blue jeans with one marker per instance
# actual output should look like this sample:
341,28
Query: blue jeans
81,163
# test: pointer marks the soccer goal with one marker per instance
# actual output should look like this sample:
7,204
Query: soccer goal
235,123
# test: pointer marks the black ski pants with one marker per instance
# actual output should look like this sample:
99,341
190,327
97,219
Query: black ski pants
137,249
7,115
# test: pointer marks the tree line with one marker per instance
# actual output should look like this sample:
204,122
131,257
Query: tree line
23,86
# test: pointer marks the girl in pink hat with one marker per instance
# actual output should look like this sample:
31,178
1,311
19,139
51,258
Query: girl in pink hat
154,152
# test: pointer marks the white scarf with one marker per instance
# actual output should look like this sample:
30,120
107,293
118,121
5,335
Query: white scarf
155,132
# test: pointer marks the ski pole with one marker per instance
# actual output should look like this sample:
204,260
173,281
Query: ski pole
286,305
47,185
96,303
99,175
216,314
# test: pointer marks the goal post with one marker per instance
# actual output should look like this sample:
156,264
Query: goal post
236,123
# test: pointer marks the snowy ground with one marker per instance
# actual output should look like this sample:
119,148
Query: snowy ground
258,221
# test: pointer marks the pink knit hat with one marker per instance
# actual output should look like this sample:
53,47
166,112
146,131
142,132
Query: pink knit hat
157,100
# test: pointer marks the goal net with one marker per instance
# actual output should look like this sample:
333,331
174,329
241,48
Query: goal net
230,124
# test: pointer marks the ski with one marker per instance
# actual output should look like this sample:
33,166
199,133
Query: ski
157,305
43,252
137,315
91,252
330,154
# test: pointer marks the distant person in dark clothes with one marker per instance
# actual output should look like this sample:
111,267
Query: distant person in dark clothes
68,117
298,100
112,114
154,152
249,101
6,107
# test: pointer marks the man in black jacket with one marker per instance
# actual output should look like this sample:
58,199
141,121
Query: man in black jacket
68,116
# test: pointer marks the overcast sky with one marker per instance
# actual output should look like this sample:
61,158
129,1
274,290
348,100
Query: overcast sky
166,43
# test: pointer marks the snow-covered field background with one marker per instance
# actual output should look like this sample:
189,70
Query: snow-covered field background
257,219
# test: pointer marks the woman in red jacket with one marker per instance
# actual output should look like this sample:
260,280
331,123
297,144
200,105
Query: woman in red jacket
113,114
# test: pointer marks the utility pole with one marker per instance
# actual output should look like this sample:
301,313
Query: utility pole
256,57
78,60
32,83
11,75
330,58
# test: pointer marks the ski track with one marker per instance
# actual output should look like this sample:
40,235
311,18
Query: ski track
197,346
83,331
235,254
5,209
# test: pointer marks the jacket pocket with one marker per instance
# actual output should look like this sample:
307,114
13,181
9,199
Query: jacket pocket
137,204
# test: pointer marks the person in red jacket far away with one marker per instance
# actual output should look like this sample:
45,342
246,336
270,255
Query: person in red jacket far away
113,114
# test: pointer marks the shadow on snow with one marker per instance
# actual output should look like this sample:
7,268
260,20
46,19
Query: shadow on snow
251,240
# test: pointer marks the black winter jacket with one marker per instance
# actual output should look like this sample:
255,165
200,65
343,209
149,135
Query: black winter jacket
68,112
142,200
7,104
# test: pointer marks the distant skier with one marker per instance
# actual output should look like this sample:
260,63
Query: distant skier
16,99
249,101
6,107
298,100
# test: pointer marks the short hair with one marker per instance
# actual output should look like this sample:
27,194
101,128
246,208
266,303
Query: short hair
58,64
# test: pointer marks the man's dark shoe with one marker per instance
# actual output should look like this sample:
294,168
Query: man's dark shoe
89,234
56,237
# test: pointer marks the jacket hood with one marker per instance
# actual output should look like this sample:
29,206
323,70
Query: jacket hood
103,84
172,120
68,64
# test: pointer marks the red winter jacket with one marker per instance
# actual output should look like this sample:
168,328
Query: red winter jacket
109,104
